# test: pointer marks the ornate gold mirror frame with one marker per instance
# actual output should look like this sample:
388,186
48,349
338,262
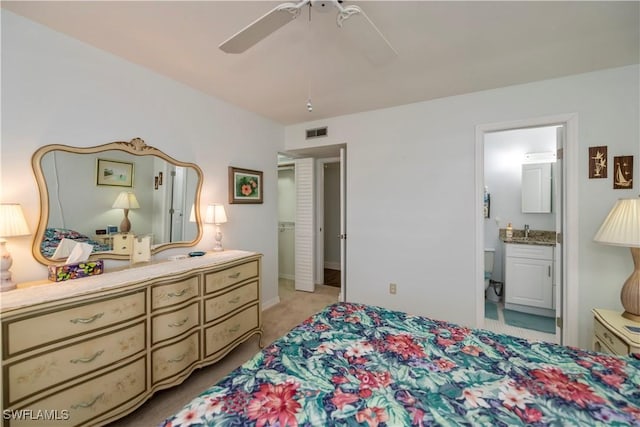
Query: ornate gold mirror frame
57,163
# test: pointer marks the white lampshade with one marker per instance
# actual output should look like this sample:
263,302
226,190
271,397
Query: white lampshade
215,214
192,215
126,200
622,225
12,221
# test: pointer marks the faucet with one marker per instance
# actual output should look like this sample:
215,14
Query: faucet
526,231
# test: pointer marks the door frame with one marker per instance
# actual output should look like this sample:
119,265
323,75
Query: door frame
569,334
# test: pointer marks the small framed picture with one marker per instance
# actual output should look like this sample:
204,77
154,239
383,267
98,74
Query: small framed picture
245,185
623,172
598,162
114,173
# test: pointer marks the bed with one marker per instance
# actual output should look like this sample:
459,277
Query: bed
358,365
53,236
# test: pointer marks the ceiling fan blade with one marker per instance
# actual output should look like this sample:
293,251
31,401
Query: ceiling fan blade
262,27
364,34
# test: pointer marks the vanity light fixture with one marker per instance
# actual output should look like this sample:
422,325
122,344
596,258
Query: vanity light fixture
12,224
622,228
126,200
216,215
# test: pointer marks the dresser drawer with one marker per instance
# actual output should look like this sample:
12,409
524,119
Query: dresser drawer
172,324
529,251
80,404
31,332
609,339
220,305
164,295
173,359
221,279
52,368
223,334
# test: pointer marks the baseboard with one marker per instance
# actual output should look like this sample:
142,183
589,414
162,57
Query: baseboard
270,303
287,276
332,265
545,312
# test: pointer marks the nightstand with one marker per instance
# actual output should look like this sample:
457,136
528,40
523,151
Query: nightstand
610,334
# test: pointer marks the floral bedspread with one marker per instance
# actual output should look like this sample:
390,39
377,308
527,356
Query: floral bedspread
357,365
53,236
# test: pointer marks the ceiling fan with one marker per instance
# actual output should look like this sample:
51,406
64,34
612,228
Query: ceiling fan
361,30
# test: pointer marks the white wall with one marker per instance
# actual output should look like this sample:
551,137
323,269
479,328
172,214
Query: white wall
418,160
58,90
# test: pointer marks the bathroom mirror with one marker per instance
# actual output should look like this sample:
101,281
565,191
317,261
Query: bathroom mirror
536,188
79,188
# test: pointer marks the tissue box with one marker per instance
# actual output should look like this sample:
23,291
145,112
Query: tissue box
59,273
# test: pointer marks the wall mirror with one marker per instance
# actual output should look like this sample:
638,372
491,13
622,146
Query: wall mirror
82,192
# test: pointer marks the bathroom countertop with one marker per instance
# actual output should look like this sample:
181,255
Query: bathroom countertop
536,237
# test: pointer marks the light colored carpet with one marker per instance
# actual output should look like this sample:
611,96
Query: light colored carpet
294,307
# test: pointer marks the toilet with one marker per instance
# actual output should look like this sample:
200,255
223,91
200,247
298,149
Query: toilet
492,290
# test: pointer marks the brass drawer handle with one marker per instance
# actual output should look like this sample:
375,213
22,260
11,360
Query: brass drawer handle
178,294
87,404
234,329
179,323
87,359
234,300
234,275
88,319
178,359
606,335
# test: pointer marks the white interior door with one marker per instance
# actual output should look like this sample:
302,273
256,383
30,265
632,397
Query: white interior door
343,225
560,218
304,225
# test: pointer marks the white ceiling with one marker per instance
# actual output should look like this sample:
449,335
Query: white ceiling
444,48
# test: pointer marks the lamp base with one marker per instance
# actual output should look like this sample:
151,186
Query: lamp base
7,284
631,316
630,293
218,245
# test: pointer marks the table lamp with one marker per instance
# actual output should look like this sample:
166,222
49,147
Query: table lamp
126,200
216,215
12,224
622,228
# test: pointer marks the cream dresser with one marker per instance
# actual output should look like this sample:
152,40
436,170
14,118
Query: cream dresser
611,333
88,351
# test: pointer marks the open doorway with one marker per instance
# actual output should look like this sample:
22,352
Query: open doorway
311,181
520,170
493,224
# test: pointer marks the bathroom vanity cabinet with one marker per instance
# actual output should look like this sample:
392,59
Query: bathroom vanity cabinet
529,278
91,350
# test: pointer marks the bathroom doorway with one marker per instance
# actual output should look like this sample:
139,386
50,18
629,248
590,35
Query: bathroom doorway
502,149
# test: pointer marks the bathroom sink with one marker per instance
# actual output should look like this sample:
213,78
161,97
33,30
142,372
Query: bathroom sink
531,241
535,237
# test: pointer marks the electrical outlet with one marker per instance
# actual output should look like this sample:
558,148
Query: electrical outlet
393,288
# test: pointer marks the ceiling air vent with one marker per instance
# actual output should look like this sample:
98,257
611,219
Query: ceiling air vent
317,132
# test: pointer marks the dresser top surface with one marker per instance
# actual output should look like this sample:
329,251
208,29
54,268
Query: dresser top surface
614,320
53,291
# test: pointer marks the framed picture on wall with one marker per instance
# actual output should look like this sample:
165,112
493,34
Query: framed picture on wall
245,185
623,173
114,173
598,162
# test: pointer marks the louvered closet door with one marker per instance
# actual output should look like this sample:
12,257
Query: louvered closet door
305,225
